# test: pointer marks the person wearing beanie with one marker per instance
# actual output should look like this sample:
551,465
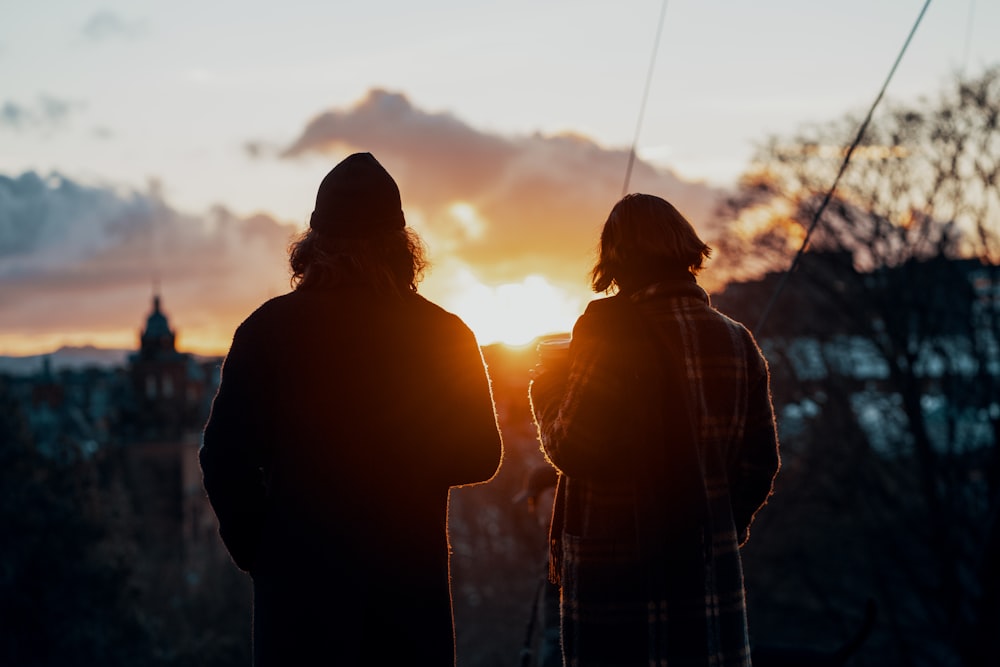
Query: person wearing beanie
346,411
661,426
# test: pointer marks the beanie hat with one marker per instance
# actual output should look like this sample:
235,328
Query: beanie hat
357,198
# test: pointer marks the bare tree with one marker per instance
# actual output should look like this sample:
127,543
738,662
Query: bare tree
901,277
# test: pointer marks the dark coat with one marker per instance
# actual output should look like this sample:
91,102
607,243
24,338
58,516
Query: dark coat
341,421
664,434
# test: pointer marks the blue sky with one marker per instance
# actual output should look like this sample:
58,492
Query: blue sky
187,122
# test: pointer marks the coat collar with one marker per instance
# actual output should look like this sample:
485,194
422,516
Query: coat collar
672,289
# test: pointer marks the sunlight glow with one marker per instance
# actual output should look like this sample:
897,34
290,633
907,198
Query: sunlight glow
509,313
211,342
467,216
514,313
775,214
20,344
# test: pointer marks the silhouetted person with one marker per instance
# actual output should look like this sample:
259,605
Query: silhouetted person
346,411
662,428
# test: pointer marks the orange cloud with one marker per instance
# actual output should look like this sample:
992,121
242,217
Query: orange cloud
538,201
79,258
509,221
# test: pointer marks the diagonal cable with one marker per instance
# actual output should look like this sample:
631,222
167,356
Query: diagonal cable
843,167
645,97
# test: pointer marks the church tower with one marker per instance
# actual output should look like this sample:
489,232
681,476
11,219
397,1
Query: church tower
162,432
157,340
168,386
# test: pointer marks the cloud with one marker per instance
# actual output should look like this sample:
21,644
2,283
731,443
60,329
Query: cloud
519,216
105,25
506,206
83,257
12,114
255,150
45,113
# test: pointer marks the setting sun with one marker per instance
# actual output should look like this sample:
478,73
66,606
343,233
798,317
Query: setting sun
514,313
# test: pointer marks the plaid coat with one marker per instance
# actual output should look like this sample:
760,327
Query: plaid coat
663,431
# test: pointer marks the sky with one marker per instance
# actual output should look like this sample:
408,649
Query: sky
177,147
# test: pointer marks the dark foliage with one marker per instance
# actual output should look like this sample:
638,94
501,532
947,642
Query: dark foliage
65,592
78,583
886,372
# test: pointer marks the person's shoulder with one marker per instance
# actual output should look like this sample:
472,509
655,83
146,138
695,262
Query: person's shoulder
424,307
723,318
273,307
601,309
269,315
753,352
741,329
602,317
602,306
260,326
437,316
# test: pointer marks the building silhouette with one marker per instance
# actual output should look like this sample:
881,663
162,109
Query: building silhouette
169,397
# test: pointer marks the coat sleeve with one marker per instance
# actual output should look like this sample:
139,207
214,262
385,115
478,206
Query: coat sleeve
232,451
753,470
460,412
588,420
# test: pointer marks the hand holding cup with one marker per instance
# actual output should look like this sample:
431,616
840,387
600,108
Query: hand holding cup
553,354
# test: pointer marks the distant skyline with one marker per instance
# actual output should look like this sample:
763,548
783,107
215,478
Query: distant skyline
189,138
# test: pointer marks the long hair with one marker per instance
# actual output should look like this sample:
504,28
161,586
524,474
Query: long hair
389,263
644,240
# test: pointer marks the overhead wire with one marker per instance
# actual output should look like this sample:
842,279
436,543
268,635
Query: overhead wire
645,98
843,167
